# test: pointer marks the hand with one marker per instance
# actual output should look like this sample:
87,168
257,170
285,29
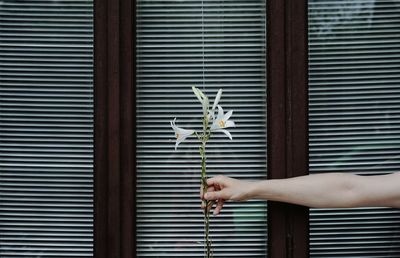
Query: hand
222,188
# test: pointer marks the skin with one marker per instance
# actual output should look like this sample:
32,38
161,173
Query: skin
331,190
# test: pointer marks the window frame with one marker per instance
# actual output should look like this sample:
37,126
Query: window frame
287,115
115,124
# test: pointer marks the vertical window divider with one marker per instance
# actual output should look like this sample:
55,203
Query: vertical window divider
287,76
114,129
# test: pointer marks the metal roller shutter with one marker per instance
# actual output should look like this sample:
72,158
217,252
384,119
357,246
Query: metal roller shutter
354,83
181,44
46,128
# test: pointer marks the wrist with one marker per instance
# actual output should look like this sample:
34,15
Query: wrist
253,190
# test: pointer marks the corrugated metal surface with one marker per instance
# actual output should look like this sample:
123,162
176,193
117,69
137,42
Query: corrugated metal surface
46,128
354,78
171,44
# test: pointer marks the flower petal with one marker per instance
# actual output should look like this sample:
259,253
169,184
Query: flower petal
217,98
179,140
173,124
205,106
214,125
225,132
220,112
228,115
184,132
202,94
196,92
229,123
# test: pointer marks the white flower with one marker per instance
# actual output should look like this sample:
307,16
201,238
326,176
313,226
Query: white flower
222,121
180,133
203,99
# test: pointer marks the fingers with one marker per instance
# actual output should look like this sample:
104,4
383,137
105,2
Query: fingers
209,189
213,196
218,180
210,205
214,193
216,196
219,206
214,184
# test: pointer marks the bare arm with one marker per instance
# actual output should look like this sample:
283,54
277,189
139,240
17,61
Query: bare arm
332,190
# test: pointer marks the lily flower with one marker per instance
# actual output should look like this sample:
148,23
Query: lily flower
180,133
222,121
203,99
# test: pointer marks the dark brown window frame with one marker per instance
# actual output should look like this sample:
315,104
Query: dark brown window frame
115,118
287,81
114,125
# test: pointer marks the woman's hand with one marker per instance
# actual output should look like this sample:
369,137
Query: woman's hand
222,188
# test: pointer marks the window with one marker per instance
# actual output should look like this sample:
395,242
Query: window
46,128
354,83
210,44
147,56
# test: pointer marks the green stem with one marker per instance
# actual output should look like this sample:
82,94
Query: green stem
204,139
207,240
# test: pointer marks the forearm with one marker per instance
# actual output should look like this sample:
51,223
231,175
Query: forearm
331,190
320,190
